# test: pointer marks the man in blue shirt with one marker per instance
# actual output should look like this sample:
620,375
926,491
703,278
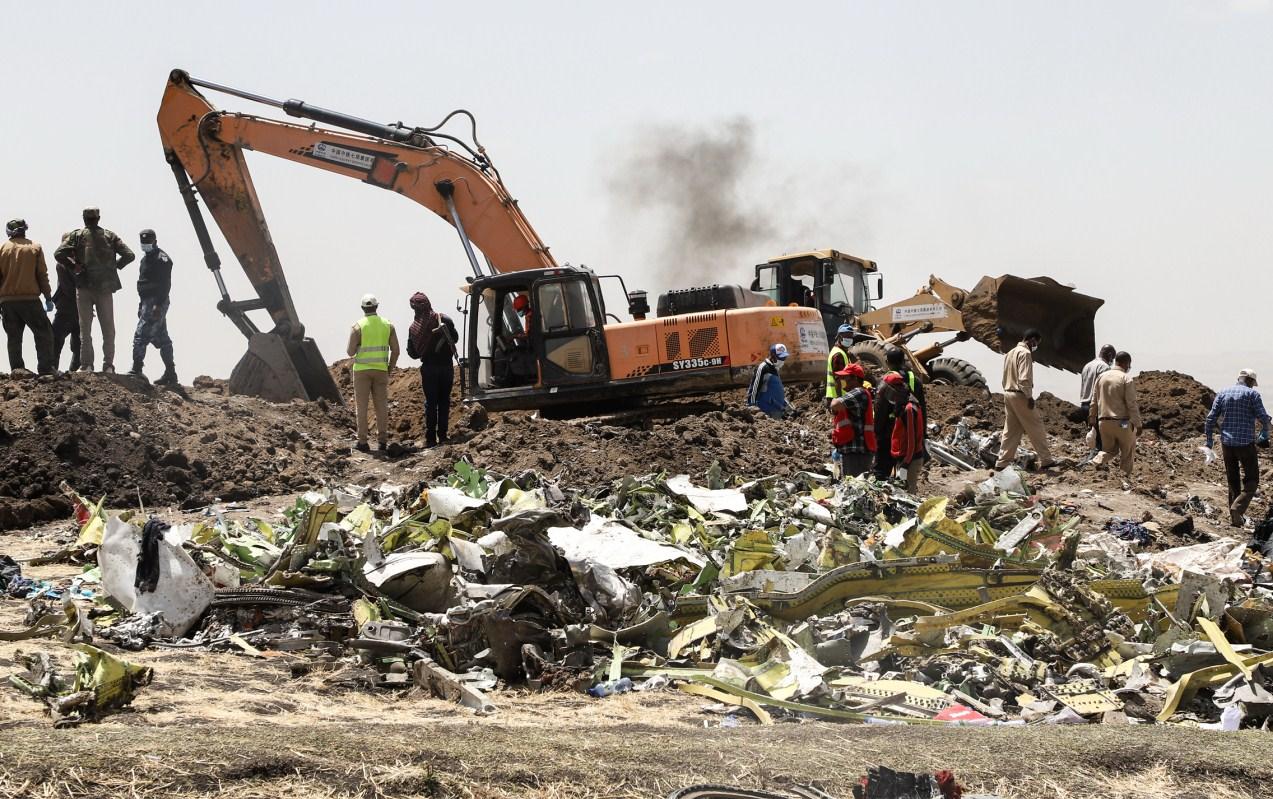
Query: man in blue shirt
1238,408
766,390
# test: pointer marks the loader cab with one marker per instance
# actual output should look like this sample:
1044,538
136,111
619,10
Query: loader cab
840,286
534,330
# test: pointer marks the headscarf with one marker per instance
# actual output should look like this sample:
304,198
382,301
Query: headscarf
424,325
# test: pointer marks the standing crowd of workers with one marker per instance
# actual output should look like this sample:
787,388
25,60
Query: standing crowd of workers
88,261
881,429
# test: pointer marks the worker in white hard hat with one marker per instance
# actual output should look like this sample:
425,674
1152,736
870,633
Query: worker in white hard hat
373,344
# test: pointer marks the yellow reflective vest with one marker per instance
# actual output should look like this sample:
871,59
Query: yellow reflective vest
845,360
373,344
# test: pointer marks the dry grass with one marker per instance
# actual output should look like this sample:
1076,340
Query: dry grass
555,758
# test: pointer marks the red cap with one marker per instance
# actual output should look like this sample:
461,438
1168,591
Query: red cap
852,370
894,379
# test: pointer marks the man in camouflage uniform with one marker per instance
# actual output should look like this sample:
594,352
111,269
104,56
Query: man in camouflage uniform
154,281
95,255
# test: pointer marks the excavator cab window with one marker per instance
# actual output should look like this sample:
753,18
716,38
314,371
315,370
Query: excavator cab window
571,343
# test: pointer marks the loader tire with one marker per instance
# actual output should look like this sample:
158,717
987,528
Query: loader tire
955,372
872,355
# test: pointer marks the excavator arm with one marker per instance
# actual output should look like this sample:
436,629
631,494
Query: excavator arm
205,148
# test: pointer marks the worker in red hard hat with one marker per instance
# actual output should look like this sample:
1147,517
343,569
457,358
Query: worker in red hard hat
521,304
853,428
906,445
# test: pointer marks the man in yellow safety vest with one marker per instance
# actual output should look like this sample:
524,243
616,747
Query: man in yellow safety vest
373,344
838,359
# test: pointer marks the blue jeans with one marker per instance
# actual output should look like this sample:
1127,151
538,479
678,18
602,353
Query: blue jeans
152,328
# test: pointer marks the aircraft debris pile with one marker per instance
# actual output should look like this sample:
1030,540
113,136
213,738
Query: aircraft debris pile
782,597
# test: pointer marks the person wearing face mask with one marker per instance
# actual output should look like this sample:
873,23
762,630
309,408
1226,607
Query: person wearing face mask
766,390
154,283
1019,414
95,255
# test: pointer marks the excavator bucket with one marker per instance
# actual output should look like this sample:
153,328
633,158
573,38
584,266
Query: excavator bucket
280,369
998,311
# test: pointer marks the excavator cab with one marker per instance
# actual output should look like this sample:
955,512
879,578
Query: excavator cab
838,285
533,330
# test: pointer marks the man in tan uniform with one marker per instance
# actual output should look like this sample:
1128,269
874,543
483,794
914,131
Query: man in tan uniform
1019,415
373,344
1115,410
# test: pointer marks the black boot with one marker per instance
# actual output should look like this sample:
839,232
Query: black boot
136,371
169,377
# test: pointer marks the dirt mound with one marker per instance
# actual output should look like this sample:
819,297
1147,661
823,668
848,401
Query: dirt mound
116,436
949,404
120,437
1174,405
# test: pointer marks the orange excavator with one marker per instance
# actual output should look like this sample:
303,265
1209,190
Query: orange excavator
536,333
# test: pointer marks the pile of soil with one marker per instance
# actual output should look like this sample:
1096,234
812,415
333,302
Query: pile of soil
120,437
1172,404
115,436
949,404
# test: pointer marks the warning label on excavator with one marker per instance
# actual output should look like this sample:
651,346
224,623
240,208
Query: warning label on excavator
915,313
812,336
344,156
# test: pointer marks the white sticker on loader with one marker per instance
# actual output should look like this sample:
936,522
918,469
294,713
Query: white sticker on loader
914,313
812,336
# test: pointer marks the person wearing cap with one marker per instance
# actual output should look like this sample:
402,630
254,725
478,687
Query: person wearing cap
1116,414
897,362
432,340
1019,414
1237,409
24,277
765,391
853,428
838,358
373,344
95,255
906,440
154,284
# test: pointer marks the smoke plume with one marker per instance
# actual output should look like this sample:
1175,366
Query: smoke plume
693,183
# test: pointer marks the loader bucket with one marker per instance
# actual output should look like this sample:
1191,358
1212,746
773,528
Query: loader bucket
280,370
1000,310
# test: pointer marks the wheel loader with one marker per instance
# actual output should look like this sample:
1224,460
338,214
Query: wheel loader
844,288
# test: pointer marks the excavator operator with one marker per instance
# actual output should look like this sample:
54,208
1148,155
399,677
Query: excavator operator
514,361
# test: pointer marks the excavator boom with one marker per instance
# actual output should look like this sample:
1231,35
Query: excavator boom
205,148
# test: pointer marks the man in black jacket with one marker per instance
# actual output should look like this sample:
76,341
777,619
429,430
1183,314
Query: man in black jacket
154,282
66,319
432,341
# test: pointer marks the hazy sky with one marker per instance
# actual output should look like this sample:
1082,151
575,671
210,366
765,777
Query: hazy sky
1126,148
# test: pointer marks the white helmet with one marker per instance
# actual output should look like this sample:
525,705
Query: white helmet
369,301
